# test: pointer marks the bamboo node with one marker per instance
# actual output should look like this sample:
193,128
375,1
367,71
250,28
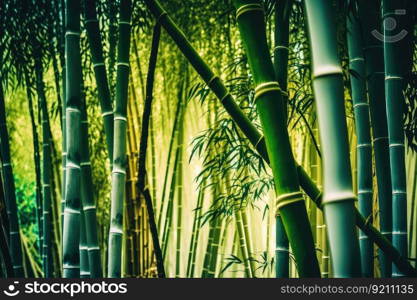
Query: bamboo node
391,77
124,23
163,13
72,33
327,70
123,64
282,249
356,59
360,104
247,8
396,145
281,47
90,21
265,88
98,65
224,97
380,138
107,113
339,196
212,79
286,199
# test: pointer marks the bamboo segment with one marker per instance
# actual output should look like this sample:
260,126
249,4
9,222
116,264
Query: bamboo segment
394,44
338,197
96,49
9,192
281,251
119,142
364,146
290,202
281,50
369,13
87,200
71,224
46,174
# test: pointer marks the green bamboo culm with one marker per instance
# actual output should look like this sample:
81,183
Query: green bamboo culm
281,51
269,103
119,142
394,13
255,138
338,197
87,200
71,226
363,133
103,90
46,173
9,192
370,16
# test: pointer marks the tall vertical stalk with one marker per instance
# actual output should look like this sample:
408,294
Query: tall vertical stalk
87,199
363,133
71,227
370,16
269,103
394,46
338,198
281,51
119,142
96,50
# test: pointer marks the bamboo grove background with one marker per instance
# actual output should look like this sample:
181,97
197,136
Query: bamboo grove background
119,160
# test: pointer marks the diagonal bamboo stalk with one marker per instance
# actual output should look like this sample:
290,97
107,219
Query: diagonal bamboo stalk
142,188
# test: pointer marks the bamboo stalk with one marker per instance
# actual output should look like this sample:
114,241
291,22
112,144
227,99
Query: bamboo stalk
281,51
71,224
119,142
338,197
395,106
96,50
363,133
269,103
87,200
46,172
369,13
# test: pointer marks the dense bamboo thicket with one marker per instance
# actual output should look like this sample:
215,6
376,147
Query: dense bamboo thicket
244,138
